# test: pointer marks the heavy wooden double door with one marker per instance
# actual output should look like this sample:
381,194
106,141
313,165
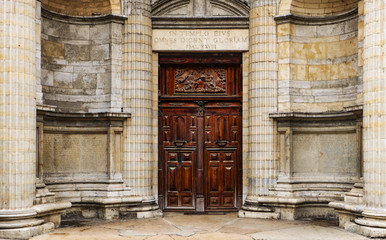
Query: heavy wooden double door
200,133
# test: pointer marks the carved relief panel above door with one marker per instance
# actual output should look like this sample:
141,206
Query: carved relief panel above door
200,80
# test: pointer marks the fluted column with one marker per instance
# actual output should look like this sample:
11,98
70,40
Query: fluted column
17,113
374,116
262,98
138,92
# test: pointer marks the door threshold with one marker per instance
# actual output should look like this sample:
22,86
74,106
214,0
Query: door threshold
205,213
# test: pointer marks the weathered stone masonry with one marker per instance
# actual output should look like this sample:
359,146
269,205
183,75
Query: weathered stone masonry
79,106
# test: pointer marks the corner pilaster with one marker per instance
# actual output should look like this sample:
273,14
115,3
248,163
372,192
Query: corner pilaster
138,100
262,162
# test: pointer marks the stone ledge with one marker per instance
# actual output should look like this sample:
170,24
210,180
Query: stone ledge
305,20
48,208
98,19
346,206
312,116
261,215
291,208
84,116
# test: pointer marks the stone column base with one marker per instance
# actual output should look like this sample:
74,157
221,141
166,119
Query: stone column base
288,208
26,232
23,224
368,226
144,210
52,212
372,232
347,212
114,208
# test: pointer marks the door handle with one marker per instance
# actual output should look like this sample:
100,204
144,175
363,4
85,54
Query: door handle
179,143
221,143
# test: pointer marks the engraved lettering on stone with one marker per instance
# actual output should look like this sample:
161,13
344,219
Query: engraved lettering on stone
196,39
200,80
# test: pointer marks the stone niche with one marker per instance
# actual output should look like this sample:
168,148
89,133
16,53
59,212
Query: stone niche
82,62
319,161
81,160
319,67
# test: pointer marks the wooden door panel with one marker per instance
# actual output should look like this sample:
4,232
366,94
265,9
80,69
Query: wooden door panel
221,178
222,154
180,178
200,131
179,127
222,126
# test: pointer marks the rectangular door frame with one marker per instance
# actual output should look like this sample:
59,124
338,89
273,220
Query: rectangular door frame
167,99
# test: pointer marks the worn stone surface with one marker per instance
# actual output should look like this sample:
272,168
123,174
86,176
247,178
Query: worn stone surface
81,65
75,153
318,66
329,60
179,226
326,159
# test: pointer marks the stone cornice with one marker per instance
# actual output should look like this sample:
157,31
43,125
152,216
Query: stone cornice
309,20
99,19
84,116
233,22
317,116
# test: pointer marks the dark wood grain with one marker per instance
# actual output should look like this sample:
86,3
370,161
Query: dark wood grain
200,134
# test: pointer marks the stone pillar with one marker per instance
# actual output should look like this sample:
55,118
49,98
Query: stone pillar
374,119
138,93
262,100
17,119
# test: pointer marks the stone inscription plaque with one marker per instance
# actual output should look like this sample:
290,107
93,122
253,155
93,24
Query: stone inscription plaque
201,40
325,158
75,153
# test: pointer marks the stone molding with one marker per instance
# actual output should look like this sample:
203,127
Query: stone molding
98,19
85,116
237,16
200,23
237,7
312,116
314,21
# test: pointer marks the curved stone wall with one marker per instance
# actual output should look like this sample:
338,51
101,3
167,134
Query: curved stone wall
81,63
316,8
78,7
321,7
318,64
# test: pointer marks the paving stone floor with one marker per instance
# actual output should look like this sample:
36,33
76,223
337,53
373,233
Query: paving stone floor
176,226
